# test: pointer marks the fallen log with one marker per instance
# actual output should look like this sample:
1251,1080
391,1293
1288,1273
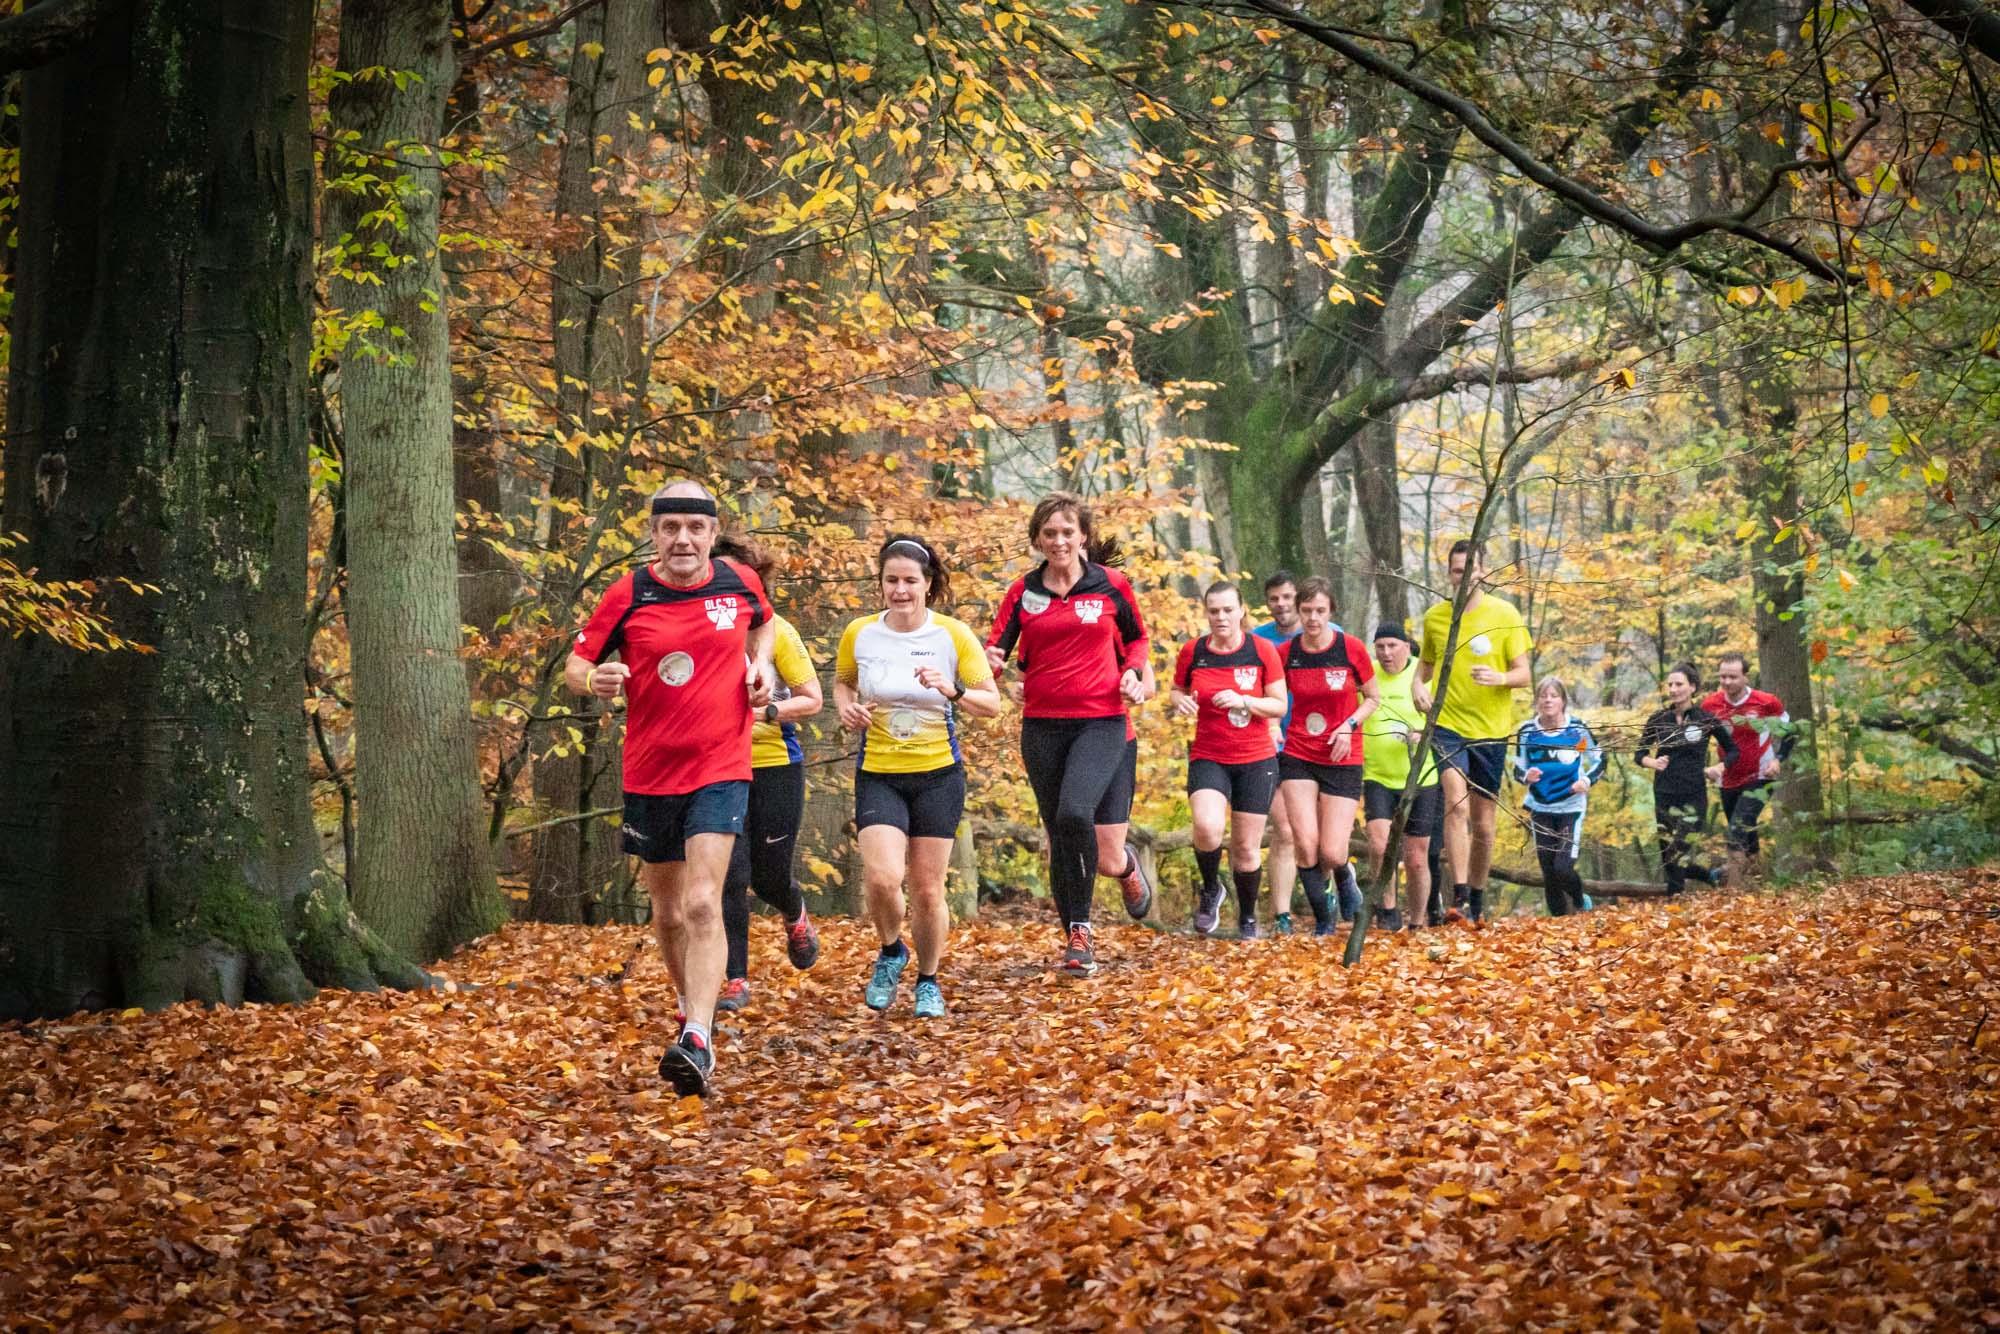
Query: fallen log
1597,889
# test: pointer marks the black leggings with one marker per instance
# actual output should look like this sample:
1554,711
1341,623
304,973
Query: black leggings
762,857
1072,763
1740,807
1681,817
1555,848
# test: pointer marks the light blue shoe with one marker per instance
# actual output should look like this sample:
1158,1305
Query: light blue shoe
881,992
930,999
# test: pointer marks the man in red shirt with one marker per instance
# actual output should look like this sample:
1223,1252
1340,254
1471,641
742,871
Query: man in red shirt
1760,727
693,639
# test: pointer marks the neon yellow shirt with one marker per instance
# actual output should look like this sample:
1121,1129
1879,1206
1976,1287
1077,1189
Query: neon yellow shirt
1491,634
915,729
773,744
1385,754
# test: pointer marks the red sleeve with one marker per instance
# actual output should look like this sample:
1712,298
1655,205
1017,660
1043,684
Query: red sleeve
1007,621
1184,667
760,610
1274,661
1130,624
600,633
1364,667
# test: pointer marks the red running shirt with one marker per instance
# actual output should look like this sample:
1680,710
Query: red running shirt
1751,725
1229,736
1326,690
1073,647
687,714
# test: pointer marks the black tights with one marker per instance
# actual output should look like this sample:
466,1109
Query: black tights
1071,763
1555,848
762,857
1680,820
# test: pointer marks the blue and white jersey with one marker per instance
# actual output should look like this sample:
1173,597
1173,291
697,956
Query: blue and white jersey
1567,753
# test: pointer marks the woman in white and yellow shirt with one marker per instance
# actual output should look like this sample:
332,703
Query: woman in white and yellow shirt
763,857
901,679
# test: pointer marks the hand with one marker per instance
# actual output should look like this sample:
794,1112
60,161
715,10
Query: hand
1420,695
607,679
1486,676
1226,699
1657,763
855,716
1767,770
1132,686
1185,706
1533,775
1713,773
1016,691
1580,786
995,659
1339,747
758,681
933,678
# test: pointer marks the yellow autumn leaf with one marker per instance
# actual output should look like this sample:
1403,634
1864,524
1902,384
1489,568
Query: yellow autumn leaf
1878,405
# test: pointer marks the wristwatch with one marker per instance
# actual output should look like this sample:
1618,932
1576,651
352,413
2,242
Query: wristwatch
959,696
770,713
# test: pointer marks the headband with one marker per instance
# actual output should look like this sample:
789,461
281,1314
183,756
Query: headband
684,505
922,551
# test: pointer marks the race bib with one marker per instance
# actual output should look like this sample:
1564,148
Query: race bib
1239,717
1315,724
676,669
1034,603
1481,645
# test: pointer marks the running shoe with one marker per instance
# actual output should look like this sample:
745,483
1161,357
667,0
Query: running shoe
930,999
687,1065
1350,893
1434,908
1249,930
1325,927
802,943
1134,885
1281,925
1389,919
1079,960
881,992
1476,908
1207,911
735,994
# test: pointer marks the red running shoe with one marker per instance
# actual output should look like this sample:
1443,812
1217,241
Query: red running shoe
735,994
1138,890
802,943
1079,960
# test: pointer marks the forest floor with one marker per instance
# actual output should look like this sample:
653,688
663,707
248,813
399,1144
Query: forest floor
1728,1111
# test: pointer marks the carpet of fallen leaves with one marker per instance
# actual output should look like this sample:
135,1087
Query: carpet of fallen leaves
1724,1112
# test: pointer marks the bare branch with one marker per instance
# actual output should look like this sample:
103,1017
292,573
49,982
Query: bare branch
1972,23
506,39
46,32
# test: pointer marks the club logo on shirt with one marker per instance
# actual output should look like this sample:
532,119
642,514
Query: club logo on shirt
1034,603
1246,678
1336,678
676,669
723,611
1239,717
1566,756
1481,645
1315,724
1089,609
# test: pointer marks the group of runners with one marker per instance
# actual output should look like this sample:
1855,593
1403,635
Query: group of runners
1297,724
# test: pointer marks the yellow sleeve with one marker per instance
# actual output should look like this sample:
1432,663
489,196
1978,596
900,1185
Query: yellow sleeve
1519,641
1432,648
794,664
844,666
973,669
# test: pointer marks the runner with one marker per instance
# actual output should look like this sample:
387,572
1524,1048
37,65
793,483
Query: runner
901,678
1281,596
1475,720
1333,692
693,638
1759,725
1557,759
762,857
1392,735
1084,660
1674,745
1231,684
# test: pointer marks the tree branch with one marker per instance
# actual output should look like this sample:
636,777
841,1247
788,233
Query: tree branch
45,32
1664,238
1931,732
1458,377
1969,21
551,24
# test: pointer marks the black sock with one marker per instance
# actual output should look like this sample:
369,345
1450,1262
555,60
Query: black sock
895,951
1210,863
1247,884
927,977
1461,895
1313,881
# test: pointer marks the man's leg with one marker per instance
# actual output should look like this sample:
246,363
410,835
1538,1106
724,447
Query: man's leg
1284,864
704,950
1378,848
1485,817
662,884
1417,876
1457,827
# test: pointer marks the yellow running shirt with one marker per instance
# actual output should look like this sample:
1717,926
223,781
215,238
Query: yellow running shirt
773,744
915,729
1492,634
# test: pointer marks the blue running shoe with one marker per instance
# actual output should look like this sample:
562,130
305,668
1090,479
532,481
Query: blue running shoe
881,992
1249,930
1281,925
930,999
1325,927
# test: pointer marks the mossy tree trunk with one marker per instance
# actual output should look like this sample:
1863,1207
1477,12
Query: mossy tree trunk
155,837
423,872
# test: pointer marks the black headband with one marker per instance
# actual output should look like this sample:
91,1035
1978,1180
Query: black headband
684,505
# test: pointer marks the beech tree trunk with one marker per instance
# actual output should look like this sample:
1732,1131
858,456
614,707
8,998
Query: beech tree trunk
423,872
155,837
